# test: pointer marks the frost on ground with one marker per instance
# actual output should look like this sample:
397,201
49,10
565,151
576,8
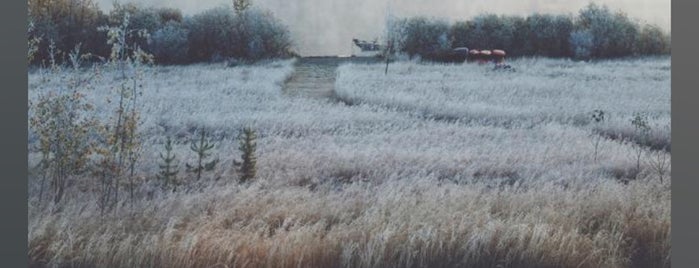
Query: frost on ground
510,180
540,91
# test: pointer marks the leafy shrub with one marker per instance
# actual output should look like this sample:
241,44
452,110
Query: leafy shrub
222,33
491,31
140,18
66,23
549,35
581,44
652,41
458,33
596,32
169,44
269,38
212,33
613,35
420,36
62,123
169,14
217,33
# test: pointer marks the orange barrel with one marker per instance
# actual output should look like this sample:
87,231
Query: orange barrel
498,55
474,54
485,56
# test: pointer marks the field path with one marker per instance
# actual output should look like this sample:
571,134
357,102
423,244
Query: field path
314,77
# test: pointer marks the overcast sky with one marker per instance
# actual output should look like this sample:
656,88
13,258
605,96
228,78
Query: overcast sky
326,27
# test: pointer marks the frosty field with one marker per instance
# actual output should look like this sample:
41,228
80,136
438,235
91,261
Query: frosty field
428,166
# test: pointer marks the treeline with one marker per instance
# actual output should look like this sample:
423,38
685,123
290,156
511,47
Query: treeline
241,32
596,32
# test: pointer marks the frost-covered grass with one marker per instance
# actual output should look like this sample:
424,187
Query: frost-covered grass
379,184
540,91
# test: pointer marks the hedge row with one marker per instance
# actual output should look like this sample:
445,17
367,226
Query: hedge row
596,32
217,33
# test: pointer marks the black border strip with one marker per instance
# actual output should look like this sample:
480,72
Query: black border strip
685,185
13,76
13,164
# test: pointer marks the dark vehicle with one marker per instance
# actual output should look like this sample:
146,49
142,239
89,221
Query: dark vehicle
460,54
456,55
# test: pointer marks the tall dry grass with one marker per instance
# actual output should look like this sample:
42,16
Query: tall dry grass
415,222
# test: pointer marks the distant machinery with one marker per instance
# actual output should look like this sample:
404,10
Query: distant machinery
485,56
367,46
457,55
496,56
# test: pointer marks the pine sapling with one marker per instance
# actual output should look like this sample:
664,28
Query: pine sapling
202,148
598,117
248,146
168,169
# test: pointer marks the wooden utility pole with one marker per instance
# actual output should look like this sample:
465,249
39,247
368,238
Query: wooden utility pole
389,36
389,48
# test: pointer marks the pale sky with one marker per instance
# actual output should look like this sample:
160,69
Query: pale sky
326,27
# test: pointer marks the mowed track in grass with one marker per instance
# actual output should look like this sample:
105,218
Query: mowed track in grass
314,77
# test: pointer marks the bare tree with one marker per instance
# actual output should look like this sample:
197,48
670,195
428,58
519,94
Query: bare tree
659,162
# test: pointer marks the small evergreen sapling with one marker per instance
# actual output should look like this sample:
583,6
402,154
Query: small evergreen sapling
248,146
168,169
202,148
598,116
